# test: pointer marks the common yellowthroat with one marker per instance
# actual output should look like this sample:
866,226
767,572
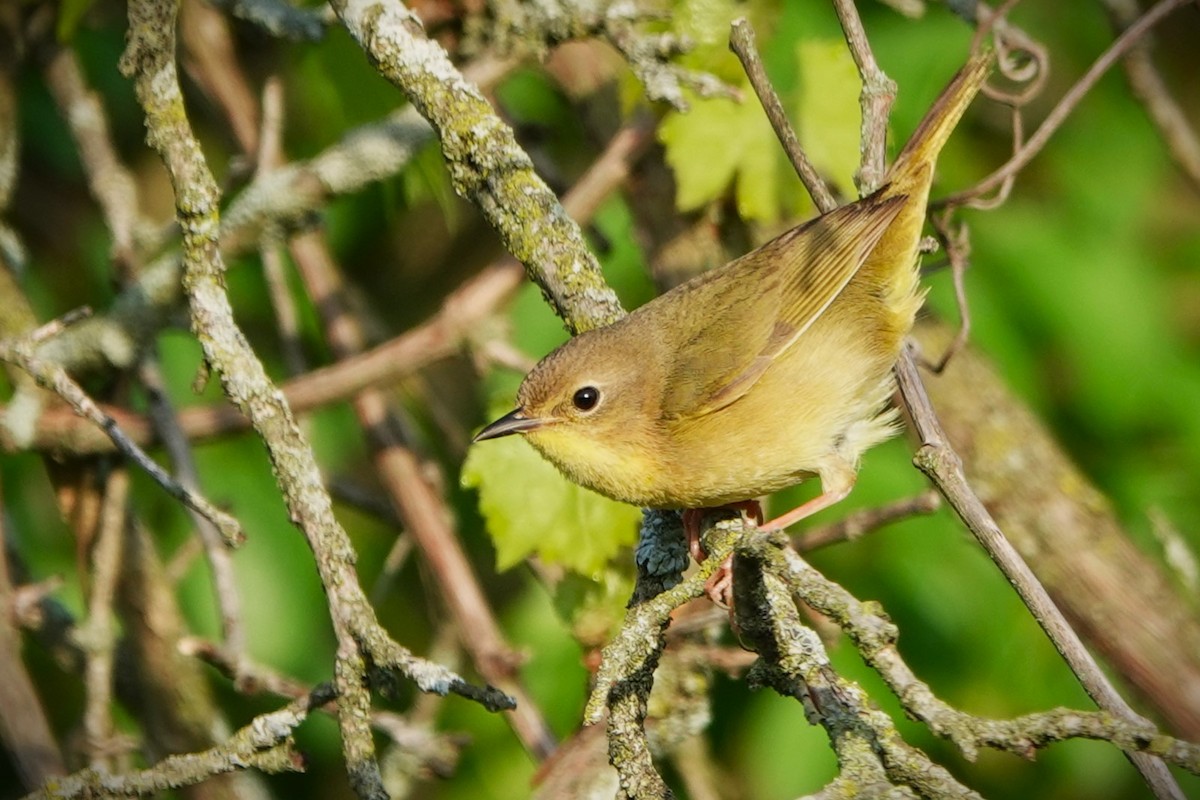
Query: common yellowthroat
758,374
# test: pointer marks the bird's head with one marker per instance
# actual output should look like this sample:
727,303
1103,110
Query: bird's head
590,407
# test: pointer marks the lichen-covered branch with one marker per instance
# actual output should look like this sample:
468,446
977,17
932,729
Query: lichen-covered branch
486,164
532,27
1059,520
362,643
265,744
626,675
875,636
871,754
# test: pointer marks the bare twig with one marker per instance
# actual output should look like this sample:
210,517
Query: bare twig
270,157
1054,120
858,523
944,468
110,181
98,635
741,41
878,93
957,245
21,353
220,561
1177,132
212,61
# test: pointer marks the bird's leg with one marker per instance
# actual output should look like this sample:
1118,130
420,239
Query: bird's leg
719,586
834,488
692,517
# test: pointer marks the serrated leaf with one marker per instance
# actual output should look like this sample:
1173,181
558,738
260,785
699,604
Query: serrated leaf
828,115
720,141
531,509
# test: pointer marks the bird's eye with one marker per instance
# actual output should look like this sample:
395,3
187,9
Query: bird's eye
586,398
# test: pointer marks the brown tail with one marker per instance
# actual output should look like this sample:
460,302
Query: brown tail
891,268
913,170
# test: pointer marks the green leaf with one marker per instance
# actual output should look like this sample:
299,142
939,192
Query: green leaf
595,606
705,22
531,509
718,142
827,113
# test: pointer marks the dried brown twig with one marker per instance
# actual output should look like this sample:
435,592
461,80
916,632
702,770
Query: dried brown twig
1054,120
1177,132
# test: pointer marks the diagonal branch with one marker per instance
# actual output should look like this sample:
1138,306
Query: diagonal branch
486,164
362,642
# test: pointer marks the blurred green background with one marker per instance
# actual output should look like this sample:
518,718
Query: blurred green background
1083,290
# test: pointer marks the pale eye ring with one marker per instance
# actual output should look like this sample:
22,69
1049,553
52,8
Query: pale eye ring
586,399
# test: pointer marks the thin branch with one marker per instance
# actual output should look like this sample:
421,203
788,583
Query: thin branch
878,93
220,561
98,635
361,641
861,522
49,375
110,181
741,41
212,61
1147,83
937,459
957,245
1054,120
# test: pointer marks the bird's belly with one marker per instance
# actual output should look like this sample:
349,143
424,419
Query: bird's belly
801,418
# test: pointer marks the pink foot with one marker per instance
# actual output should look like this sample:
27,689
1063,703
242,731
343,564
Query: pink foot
719,586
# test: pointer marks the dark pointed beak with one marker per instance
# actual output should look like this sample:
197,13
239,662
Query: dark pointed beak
513,422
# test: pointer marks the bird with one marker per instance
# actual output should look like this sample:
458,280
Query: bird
757,375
